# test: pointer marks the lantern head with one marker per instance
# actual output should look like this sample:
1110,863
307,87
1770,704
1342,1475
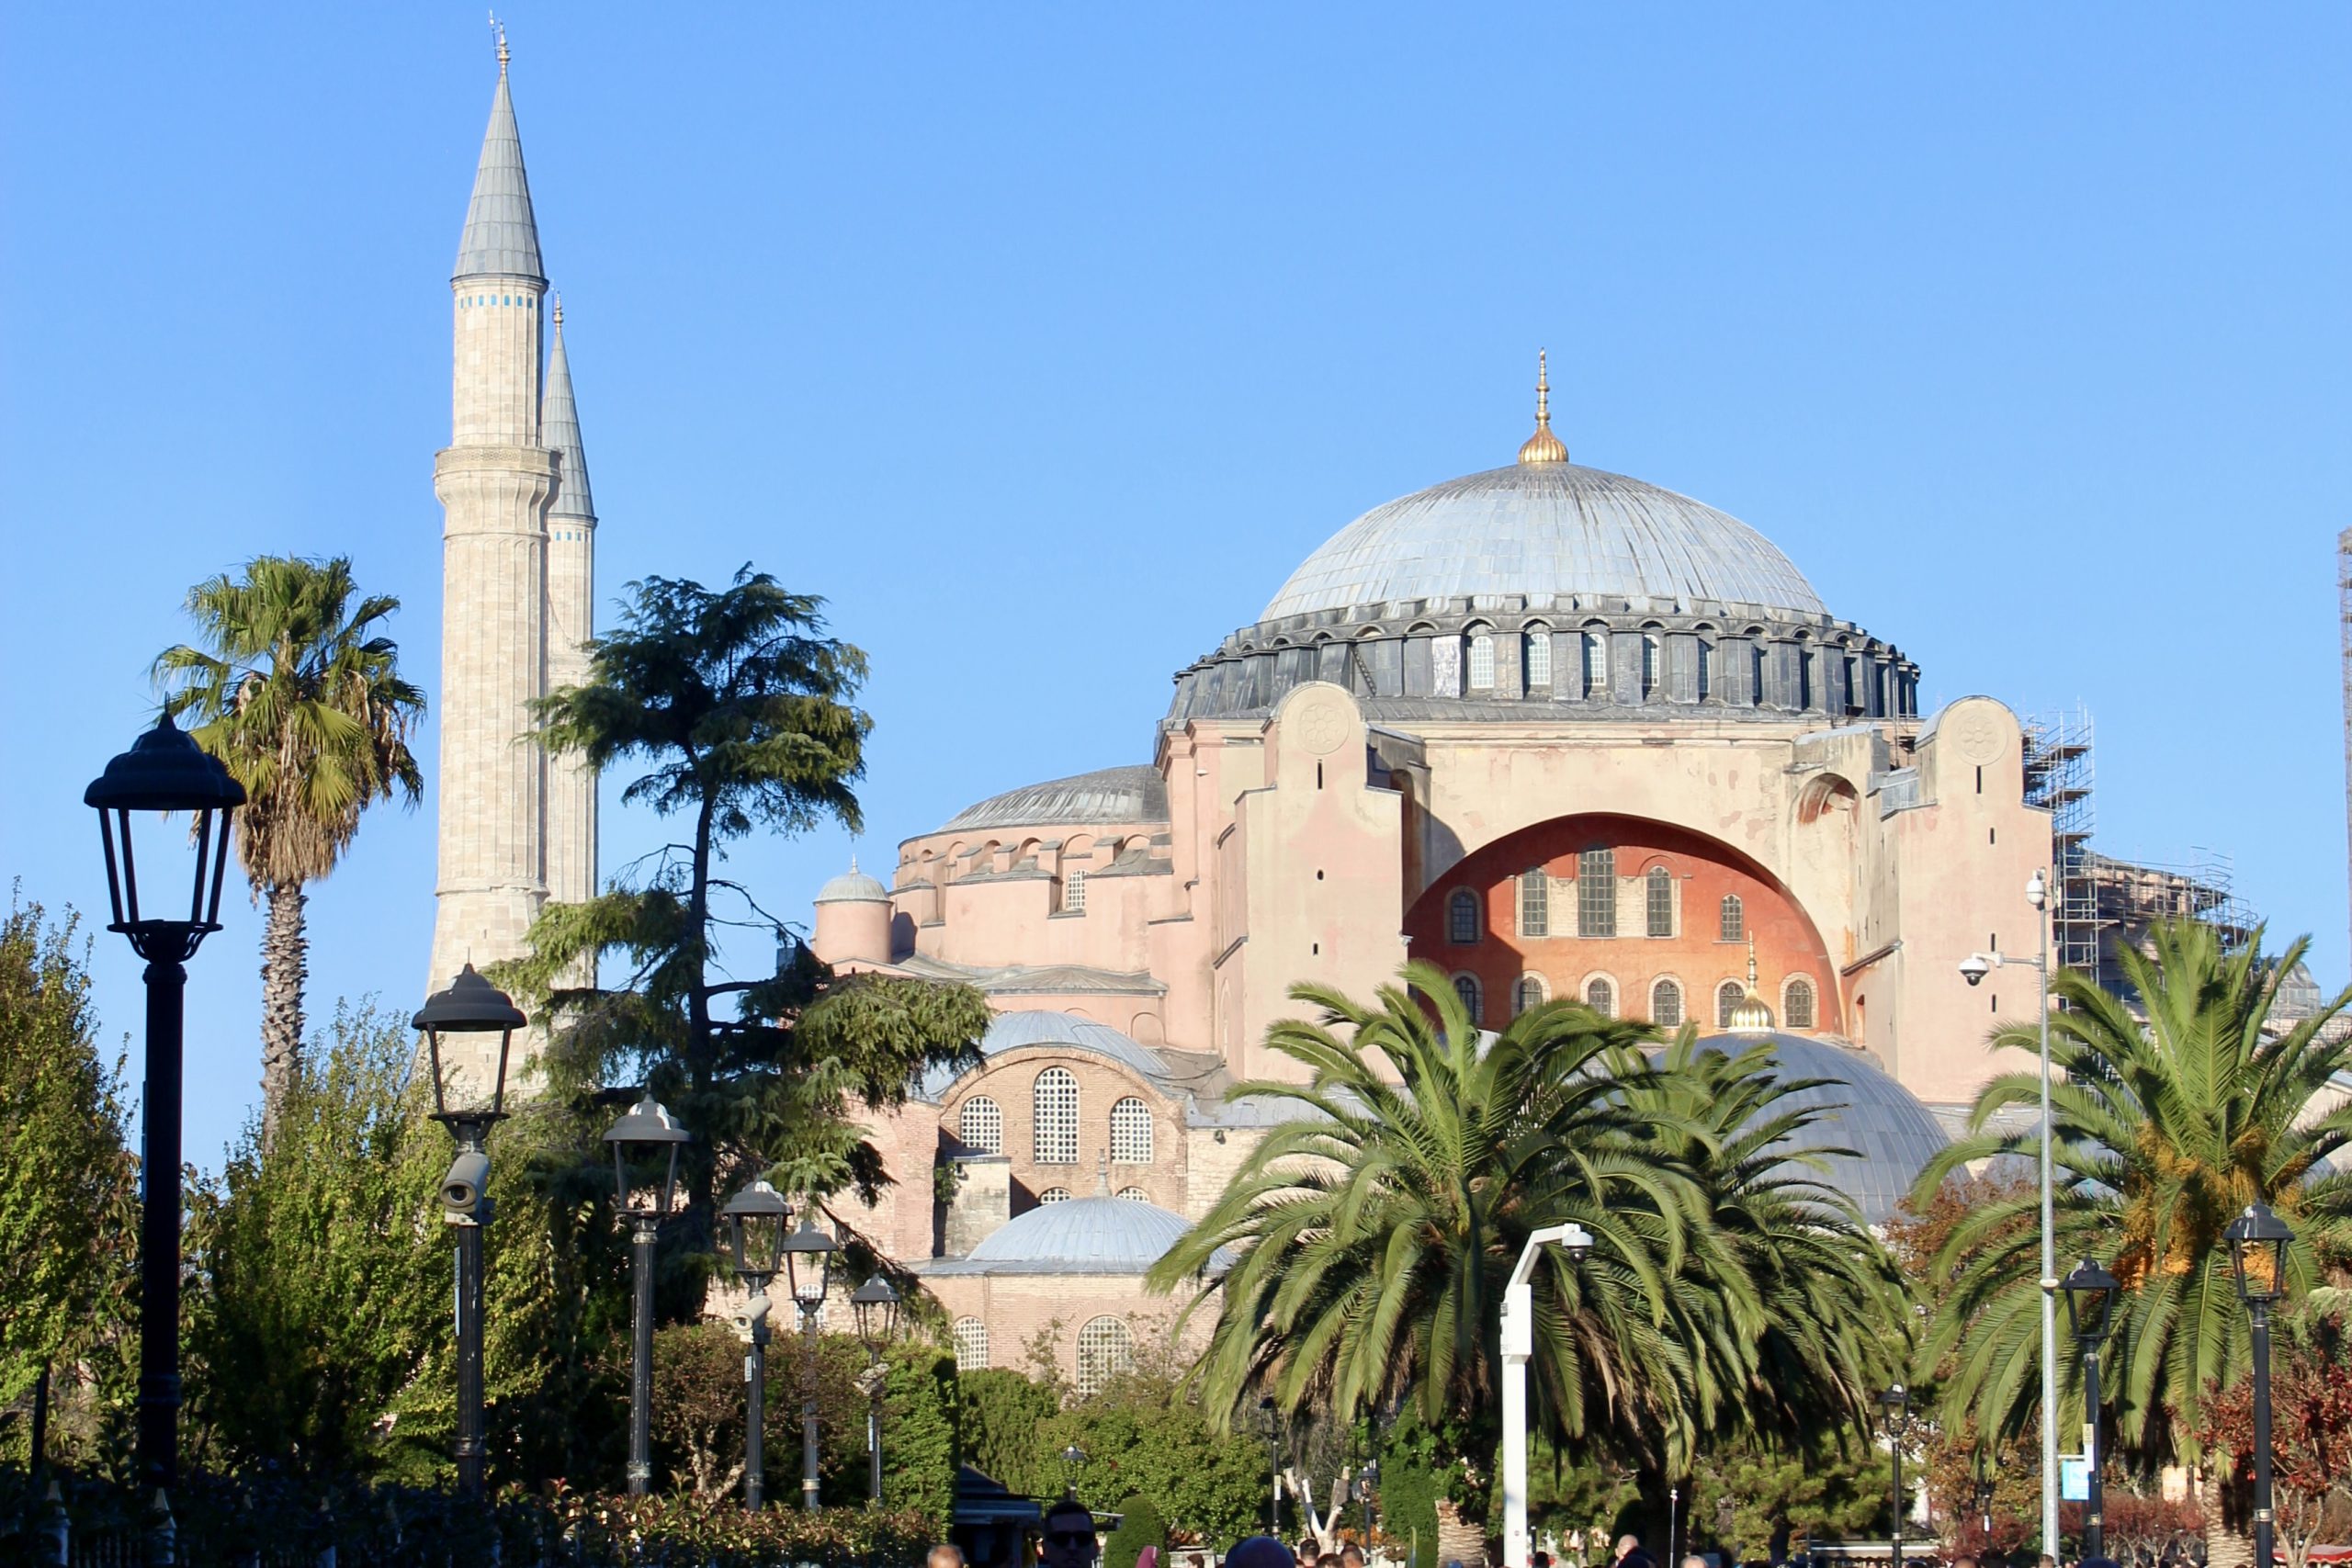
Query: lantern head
647,1132
2258,1241
2090,1302
809,1255
164,772
877,1306
756,1218
469,1088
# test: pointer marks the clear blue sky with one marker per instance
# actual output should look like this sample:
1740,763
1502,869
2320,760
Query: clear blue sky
1045,341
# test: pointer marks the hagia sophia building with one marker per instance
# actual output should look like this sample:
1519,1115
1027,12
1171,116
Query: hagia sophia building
1560,732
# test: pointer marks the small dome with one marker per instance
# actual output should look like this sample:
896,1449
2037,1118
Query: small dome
853,886
1545,526
1066,1031
1105,796
1082,1236
1864,1109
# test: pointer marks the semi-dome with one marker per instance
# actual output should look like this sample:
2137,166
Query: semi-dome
1540,528
1107,796
1078,1235
1064,1030
1863,1109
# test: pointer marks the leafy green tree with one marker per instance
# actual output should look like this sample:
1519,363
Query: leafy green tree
69,1222
296,691
1144,1434
1139,1526
740,708
1002,1416
2164,1131
1375,1229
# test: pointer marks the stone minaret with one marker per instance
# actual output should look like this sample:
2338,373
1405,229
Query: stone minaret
571,612
496,480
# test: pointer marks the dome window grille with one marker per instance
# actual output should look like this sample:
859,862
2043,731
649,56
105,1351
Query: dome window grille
1596,664
1534,903
1528,994
1538,657
971,1345
1706,670
1074,893
1135,1194
1467,987
1732,924
1106,1349
980,1125
1054,1195
1130,1133
1482,661
1597,893
1462,921
1601,998
1665,1004
1796,1004
1728,996
1657,891
1649,667
1055,1105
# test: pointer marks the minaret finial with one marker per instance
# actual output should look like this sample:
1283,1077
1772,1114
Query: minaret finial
1543,446
1750,1015
558,309
1101,1176
1751,964
498,30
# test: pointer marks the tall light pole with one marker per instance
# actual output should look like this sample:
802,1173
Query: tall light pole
1896,1404
809,1255
876,1305
1266,1408
163,773
755,1220
1519,1344
1974,968
647,1132
2090,1307
2258,1241
469,1099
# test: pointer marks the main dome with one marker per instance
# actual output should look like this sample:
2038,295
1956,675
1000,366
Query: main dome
1546,528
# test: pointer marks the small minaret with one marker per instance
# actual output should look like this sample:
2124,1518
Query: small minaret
569,621
494,479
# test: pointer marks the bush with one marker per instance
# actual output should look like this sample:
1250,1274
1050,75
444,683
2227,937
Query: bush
1139,1526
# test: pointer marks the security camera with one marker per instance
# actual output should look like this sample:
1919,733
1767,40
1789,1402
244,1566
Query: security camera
751,1319
461,1190
1975,967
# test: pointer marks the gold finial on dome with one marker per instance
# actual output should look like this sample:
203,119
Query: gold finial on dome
1543,446
1750,1015
498,30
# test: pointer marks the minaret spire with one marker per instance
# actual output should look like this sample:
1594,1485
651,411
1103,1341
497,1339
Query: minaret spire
560,432
570,622
501,238
1543,446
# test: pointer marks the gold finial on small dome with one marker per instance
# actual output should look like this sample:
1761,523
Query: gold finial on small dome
1750,1015
499,28
1543,446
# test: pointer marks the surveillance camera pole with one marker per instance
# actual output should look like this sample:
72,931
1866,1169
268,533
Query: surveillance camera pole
1519,1344
468,1133
755,1405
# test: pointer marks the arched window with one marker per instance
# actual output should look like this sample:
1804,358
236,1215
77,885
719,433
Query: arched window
980,1125
1054,1195
1135,1194
1467,987
1706,670
1130,1133
1482,660
1732,924
1796,1004
1106,1349
1601,998
1665,1004
1534,902
1461,922
1596,663
1538,657
1727,997
971,1345
1597,893
1657,898
1054,1102
1528,994
1649,666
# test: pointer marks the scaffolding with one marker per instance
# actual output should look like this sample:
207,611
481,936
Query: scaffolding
2058,778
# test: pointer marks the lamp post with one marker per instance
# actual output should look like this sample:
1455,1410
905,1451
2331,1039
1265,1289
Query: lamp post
2258,1241
646,1131
469,1099
1272,1415
1073,1459
1367,1485
876,1305
755,1220
2090,1309
1974,968
1519,1344
1895,1404
809,1255
164,772
1982,1475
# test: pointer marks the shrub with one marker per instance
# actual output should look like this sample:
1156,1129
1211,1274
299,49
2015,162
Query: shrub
1139,1526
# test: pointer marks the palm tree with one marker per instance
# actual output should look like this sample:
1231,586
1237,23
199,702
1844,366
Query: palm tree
2162,1131
289,686
1376,1226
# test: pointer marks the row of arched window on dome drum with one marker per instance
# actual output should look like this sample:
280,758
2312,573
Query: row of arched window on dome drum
1588,651
1596,910
1798,1010
1054,1116
1107,1348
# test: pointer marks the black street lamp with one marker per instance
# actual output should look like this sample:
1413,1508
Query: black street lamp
1981,1475
809,1255
1272,1417
1895,1407
646,1131
1367,1487
163,773
2090,1310
877,1306
756,1221
2258,1241
1073,1460
469,1099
